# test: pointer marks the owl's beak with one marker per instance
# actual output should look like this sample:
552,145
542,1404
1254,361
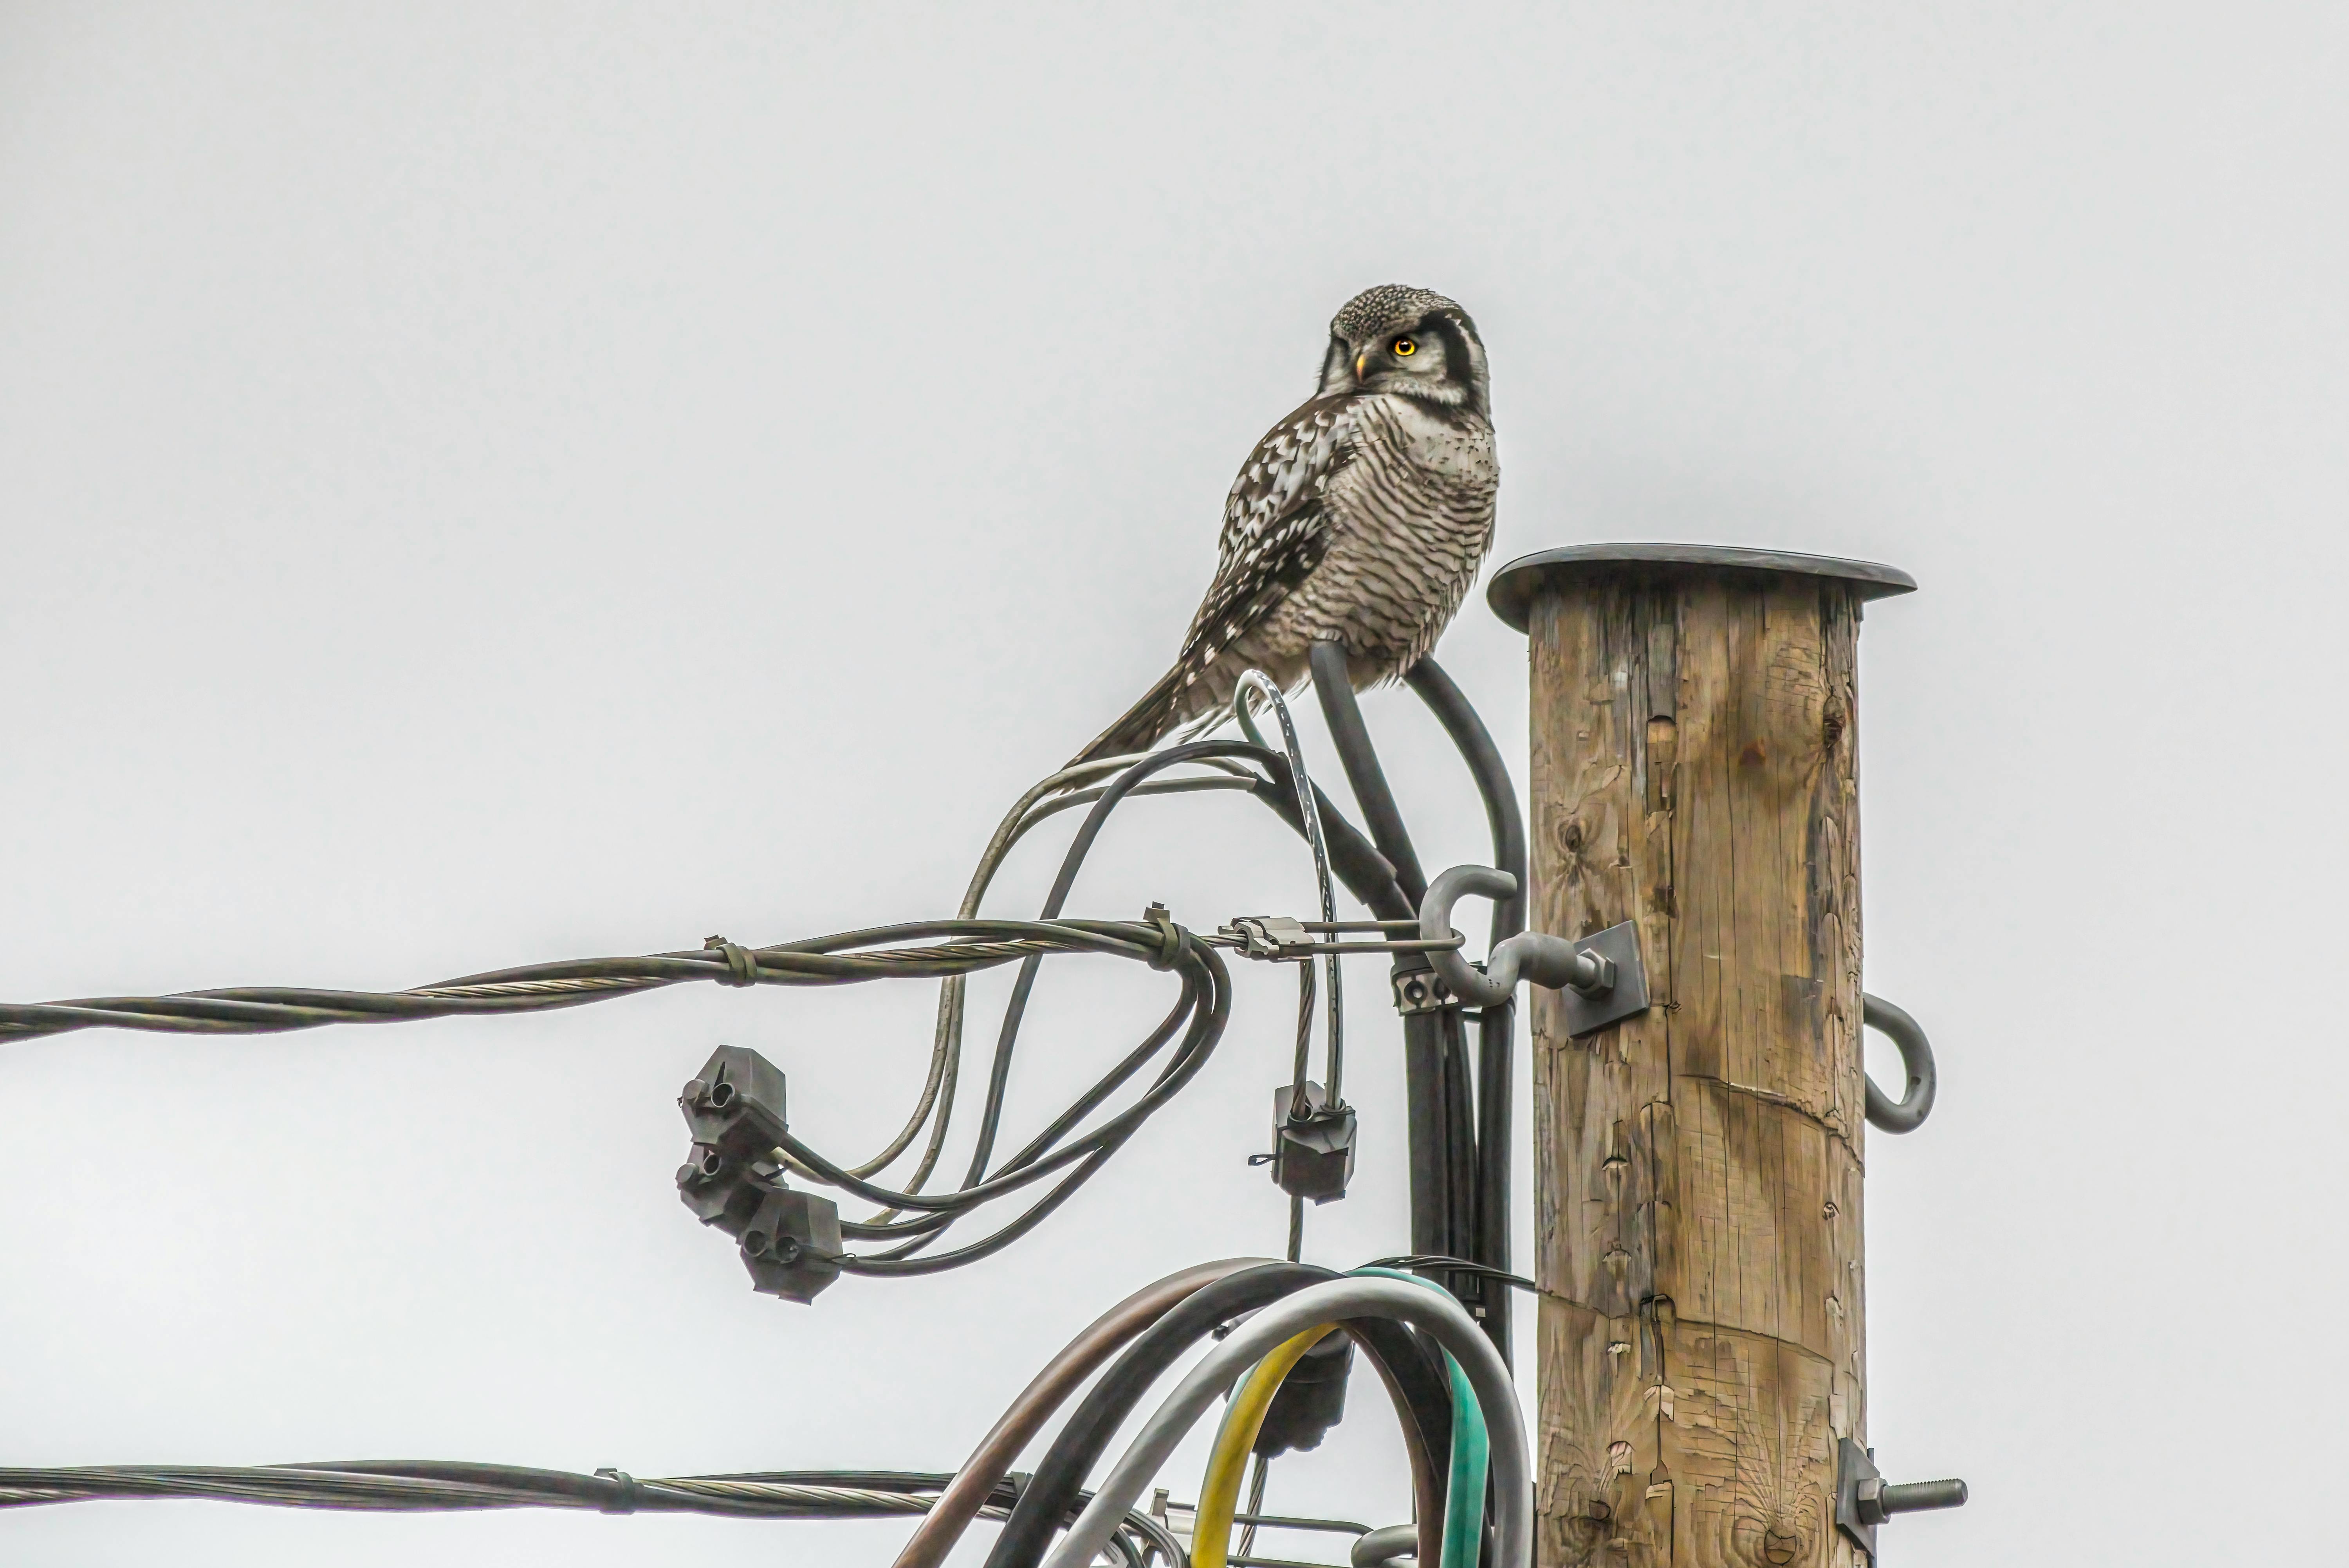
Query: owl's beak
1361,364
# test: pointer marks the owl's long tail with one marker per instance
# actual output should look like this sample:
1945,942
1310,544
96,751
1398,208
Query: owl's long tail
1140,728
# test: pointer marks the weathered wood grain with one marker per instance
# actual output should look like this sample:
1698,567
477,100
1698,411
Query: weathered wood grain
1699,1168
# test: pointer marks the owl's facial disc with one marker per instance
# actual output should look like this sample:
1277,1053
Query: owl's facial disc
1413,358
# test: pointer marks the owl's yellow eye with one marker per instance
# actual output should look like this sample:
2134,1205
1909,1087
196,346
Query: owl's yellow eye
1404,348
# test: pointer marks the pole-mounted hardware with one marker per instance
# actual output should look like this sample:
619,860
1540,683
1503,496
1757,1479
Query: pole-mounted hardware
789,1239
1278,938
1864,1498
1908,1113
1312,1142
1600,975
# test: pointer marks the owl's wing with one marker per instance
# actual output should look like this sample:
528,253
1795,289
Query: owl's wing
1275,526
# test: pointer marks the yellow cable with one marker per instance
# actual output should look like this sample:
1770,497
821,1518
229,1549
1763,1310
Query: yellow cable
1219,1489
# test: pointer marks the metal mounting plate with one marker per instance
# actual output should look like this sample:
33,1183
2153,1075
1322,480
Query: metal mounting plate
1625,999
1853,1465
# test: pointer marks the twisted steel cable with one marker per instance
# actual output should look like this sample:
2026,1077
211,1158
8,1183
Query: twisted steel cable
262,1010
440,1486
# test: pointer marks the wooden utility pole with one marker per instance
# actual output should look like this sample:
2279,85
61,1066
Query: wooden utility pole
1703,1341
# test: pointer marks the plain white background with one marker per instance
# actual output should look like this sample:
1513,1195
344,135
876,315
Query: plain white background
485,483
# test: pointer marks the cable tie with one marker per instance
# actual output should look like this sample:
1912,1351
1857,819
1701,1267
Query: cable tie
1170,937
743,969
626,1493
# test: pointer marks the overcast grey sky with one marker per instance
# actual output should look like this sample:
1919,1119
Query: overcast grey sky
491,483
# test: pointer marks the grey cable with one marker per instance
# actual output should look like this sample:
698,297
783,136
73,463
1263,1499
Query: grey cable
1263,685
1434,1312
1382,1546
945,1047
1261,1466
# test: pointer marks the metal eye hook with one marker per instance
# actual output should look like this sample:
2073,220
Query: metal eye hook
1907,1113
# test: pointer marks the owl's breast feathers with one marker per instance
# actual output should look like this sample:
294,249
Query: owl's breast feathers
1360,518
1277,525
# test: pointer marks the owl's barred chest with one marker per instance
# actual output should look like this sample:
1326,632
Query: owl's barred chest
1415,478
1410,514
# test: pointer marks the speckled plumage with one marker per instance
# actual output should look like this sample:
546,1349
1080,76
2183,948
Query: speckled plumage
1360,518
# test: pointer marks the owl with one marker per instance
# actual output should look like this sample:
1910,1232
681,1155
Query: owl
1359,519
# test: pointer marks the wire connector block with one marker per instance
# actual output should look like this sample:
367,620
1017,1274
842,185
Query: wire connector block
790,1241
1312,1144
791,1245
734,1109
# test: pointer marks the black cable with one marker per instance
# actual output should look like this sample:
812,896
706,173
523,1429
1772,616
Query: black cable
1351,855
1441,1128
1198,962
1085,1103
1366,873
1087,1433
1334,685
1463,1265
897,1264
1496,1026
1356,862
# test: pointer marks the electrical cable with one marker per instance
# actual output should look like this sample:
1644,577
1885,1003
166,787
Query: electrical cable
1334,685
1441,1130
1220,1488
1496,1026
1412,1377
442,1486
1431,1459
1456,1265
1258,1474
1366,872
1198,963
535,988
844,958
1431,1311
1463,1491
1256,681
959,1503
1015,1010
945,1047
1355,859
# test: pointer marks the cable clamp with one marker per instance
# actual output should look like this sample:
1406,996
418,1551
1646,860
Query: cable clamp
625,1493
741,966
1170,936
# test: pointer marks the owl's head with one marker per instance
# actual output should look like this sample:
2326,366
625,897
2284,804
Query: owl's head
1396,338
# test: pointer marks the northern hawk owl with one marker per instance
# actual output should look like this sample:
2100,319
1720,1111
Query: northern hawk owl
1360,518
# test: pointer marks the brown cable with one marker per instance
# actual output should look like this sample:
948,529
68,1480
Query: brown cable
1045,1392
1426,1490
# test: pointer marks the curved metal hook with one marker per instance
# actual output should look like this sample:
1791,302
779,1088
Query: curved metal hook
1907,1113
1530,956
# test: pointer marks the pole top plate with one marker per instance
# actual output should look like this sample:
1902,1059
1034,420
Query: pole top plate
1512,589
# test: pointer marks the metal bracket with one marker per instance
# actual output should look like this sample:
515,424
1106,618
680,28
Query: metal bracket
1422,990
1623,989
1283,937
1864,1498
1600,979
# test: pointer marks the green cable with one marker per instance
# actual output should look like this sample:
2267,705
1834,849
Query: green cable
1463,1493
